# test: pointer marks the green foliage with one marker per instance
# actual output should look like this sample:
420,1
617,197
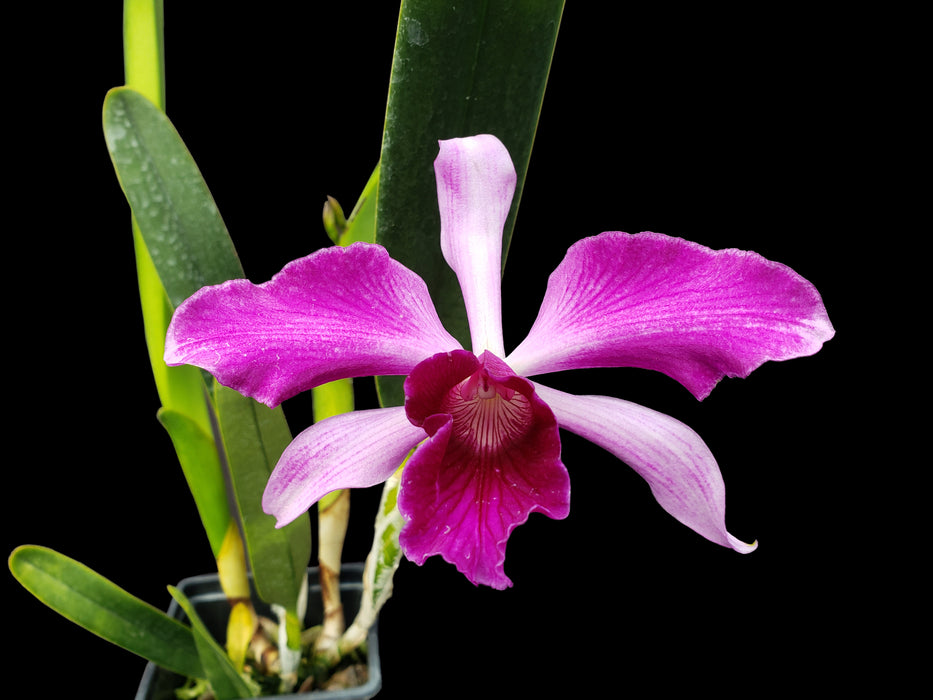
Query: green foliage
197,453
190,248
225,680
184,232
458,70
181,244
97,604
254,437
476,67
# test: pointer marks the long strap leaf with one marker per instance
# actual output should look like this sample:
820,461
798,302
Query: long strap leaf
459,69
226,681
183,230
182,390
255,437
100,606
191,248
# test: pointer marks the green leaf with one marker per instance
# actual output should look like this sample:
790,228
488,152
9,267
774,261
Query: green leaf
197,451
226,682
182,244
459,69
171,203
186,412
255,437
181,389
100,606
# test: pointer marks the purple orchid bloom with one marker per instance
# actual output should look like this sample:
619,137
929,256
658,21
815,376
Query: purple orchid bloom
484,443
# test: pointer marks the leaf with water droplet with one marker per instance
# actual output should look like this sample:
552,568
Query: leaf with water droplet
176,214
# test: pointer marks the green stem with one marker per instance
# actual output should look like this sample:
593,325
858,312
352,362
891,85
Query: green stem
329,400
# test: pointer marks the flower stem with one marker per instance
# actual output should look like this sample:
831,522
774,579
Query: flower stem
333,517
328,400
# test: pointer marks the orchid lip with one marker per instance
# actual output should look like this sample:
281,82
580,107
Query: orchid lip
486,411
492,459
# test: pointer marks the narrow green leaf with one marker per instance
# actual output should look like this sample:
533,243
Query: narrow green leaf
171,203
181,389
182,244
190,248
197,451
459,70
226,682
100,606
255,437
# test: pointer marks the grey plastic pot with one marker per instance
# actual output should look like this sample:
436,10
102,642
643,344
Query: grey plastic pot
205,594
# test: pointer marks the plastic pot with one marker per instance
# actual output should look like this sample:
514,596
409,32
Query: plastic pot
212,607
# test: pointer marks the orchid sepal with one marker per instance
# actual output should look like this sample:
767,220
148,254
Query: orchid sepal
659,302
351,450
679,468
340,312
475,185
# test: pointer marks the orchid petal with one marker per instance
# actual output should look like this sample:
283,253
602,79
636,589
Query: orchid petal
337,313
678,466
666,304
475,185
350,450
493,458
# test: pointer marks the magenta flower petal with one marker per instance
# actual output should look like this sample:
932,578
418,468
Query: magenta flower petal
493,457
340,312
475,185
678,466
662,303
351,450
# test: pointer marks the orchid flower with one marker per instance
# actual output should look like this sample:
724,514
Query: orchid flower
483,439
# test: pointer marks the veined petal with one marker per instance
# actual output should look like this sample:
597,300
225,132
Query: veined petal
493,457
662,303
475,185
339,312
678,466
350,450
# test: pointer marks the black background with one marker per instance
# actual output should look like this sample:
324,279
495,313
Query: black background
734,130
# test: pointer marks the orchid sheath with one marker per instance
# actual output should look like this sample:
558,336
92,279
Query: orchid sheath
485,438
